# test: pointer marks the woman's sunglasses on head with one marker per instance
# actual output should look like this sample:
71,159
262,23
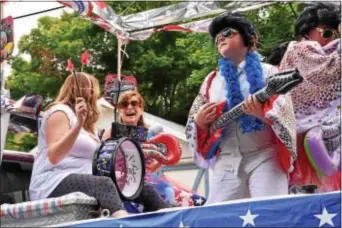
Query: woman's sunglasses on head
226,33
125,104
327,33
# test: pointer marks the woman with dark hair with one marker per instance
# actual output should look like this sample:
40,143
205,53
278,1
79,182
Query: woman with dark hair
317,55
245,158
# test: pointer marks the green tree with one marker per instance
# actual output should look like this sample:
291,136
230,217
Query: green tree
49,46
169,66
275,24
26,142
55,40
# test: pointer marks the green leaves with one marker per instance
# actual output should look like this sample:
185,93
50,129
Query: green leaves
277,24
20,142
169,66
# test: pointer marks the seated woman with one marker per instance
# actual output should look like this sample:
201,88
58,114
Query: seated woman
131,109
317,56
67,141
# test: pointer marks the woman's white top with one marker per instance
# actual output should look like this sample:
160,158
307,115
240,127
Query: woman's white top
46,176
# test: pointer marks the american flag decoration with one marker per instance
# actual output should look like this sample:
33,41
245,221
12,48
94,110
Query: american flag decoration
311,210
101,4
84,8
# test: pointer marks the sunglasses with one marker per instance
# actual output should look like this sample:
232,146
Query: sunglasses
327,33
125,104
227,33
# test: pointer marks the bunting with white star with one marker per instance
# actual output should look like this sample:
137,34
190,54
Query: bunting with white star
314,210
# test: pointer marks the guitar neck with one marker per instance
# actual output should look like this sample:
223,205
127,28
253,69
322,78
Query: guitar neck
230,116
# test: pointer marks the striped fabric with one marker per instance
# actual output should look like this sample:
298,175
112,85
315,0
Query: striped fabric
44,207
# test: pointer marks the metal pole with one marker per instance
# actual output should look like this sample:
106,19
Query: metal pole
119,59
119,77
206,183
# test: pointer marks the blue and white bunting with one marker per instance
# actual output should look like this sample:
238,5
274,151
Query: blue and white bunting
314,210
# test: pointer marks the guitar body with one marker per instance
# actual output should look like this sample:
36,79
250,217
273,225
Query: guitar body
164,148
208,143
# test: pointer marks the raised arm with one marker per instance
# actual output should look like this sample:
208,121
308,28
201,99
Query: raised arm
60,135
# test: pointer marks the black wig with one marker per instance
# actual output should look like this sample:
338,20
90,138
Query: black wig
236,21
320,13
277,54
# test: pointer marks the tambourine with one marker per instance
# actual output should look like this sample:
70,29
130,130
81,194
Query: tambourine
123,161
323,154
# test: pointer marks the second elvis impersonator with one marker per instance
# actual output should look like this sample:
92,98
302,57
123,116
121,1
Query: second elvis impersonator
254,155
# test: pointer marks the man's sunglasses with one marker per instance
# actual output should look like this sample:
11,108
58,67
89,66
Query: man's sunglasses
227,32
327,33
125,104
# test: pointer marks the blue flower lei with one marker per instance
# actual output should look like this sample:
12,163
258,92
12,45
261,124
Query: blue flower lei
234,96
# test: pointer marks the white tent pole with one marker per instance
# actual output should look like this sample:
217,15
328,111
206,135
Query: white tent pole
119,59
119,75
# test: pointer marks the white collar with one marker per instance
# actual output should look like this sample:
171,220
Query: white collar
242,65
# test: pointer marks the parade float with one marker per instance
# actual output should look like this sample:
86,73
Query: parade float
79,210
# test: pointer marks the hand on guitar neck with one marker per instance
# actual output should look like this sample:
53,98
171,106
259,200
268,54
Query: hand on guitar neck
206,116
279,83
209,113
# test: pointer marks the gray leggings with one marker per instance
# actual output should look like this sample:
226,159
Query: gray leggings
104,190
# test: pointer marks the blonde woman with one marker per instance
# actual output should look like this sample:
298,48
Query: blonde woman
67,141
